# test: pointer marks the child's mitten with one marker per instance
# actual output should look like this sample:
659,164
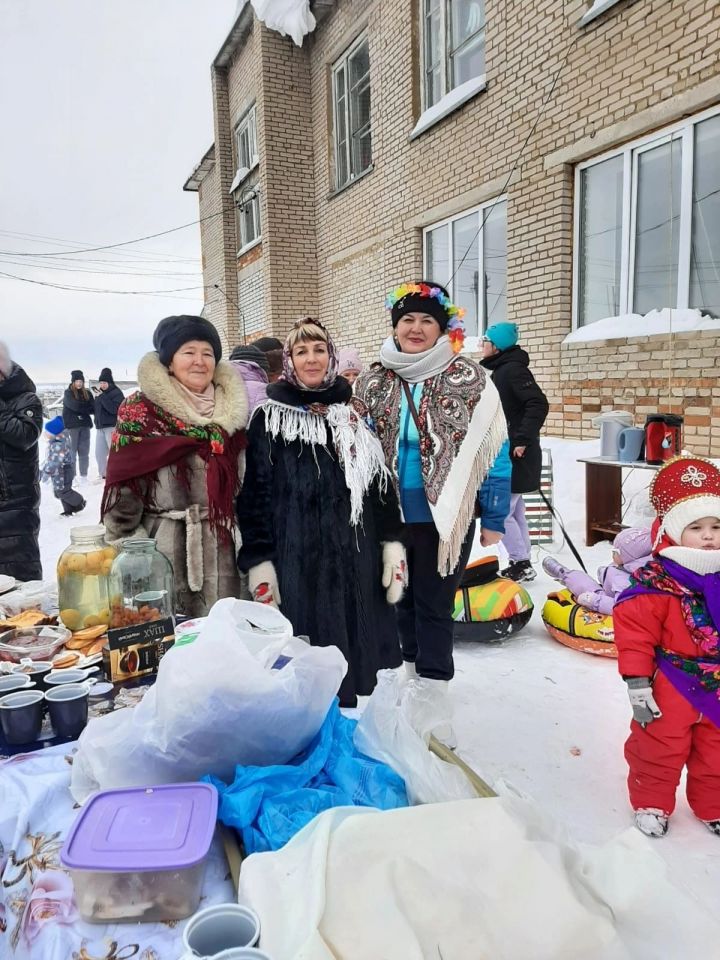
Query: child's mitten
263,584
642,701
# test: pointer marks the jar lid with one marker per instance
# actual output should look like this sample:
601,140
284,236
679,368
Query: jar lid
94,532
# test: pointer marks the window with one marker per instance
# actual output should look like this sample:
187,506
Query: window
351,113
246,153
460,251
244,186
454,45
248,207
648,225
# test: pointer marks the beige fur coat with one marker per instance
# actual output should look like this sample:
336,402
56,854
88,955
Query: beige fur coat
205,570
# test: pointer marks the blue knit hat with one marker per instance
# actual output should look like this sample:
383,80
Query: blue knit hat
502,335
55,426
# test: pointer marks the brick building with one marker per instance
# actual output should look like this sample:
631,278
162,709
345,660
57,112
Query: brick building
554,163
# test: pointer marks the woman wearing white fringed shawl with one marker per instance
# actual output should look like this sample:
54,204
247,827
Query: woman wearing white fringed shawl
318,515
440,422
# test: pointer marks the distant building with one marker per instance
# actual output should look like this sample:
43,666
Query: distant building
392,145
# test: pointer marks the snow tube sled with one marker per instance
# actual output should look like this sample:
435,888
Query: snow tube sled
489,607
577,627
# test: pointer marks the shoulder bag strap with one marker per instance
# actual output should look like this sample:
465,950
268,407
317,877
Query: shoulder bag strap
411,405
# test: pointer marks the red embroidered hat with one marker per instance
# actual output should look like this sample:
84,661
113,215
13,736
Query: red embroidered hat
683,491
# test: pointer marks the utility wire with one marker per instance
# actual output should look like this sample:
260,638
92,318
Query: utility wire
60,286
110,246
105,273
149,255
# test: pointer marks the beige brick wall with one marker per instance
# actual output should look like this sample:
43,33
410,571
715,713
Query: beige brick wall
341,252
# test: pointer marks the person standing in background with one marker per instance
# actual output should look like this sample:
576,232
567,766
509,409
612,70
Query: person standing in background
273,350
20,427
252,365
78,409
58,468
108,397
525,407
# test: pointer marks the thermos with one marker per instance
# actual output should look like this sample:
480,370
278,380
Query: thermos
611,424
663,437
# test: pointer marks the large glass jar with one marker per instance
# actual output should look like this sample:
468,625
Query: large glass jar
83,571
141,585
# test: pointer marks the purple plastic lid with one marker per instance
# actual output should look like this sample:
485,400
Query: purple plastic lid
169,827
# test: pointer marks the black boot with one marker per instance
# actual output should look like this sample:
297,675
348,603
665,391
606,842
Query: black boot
521,571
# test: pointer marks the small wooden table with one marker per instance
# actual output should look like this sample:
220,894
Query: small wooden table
603,496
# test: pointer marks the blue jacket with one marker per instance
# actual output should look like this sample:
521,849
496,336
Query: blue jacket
493,496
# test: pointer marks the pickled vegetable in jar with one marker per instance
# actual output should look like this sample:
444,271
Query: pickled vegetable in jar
141,585
83,573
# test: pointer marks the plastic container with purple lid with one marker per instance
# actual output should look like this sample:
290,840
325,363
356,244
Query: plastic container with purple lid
139,853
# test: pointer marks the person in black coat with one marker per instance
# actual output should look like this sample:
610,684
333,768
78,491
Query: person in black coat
78,410
108,397
525,407
21,420
318,517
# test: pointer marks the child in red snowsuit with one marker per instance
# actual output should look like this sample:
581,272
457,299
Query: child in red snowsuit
667,634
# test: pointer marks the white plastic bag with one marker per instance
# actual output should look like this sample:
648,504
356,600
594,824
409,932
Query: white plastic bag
394,728
240,691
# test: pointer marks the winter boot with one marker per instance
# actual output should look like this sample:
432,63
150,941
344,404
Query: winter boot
553,568
713,826
651,821
79,508
521,571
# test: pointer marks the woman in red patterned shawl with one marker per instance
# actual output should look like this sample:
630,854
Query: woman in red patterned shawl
177,460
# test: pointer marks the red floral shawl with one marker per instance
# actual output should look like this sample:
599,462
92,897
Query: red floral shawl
147,438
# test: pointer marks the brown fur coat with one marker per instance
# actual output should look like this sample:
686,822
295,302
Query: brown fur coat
205,570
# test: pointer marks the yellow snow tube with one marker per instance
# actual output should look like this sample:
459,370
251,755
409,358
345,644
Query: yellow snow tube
577,627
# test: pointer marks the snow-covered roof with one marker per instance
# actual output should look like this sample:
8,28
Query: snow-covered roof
634,325
201,170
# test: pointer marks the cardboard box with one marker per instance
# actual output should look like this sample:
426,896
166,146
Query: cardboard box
136,651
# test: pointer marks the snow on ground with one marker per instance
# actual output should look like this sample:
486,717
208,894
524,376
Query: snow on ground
547,720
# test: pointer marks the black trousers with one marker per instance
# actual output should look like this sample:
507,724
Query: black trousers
424,614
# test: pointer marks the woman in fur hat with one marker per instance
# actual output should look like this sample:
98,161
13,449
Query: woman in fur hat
318,519
177,459
442,428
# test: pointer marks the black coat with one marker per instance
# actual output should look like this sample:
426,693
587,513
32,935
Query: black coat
294,510
107,403
525,407
77,412
21,421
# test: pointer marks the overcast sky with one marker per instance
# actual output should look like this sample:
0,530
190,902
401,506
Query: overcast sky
106,108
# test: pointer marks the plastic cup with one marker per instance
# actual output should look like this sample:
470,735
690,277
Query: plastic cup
68,708
13,682
21,715
220,930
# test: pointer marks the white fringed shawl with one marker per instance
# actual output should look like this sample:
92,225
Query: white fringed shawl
359,451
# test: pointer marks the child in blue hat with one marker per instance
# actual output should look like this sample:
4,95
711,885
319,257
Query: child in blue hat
59,469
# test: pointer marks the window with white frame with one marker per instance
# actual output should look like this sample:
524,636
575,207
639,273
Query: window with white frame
244,186
246,153
467,254
351,113
453,45
647,220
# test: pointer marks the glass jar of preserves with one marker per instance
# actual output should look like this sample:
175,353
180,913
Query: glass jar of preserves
141,585
83,573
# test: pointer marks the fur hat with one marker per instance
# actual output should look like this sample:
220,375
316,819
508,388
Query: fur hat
76,375
253,354
633,544
502,335
55,426
683,491
267,343
349,359
172,332
106,376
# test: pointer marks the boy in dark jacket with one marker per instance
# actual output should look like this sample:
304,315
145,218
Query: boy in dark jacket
59,469
108,398
525,407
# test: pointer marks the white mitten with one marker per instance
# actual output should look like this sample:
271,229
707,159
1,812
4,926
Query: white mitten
642,701
263,584
395,571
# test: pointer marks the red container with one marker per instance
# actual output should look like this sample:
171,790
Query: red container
663,437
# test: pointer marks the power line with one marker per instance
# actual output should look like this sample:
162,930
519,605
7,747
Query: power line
60,286
110,246
105,273
146,255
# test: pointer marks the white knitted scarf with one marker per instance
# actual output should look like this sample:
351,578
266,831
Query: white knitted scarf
415,367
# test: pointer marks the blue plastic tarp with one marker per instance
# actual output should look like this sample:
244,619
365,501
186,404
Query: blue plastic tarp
269,805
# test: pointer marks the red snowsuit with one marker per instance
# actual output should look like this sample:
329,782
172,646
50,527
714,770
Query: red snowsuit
657,754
